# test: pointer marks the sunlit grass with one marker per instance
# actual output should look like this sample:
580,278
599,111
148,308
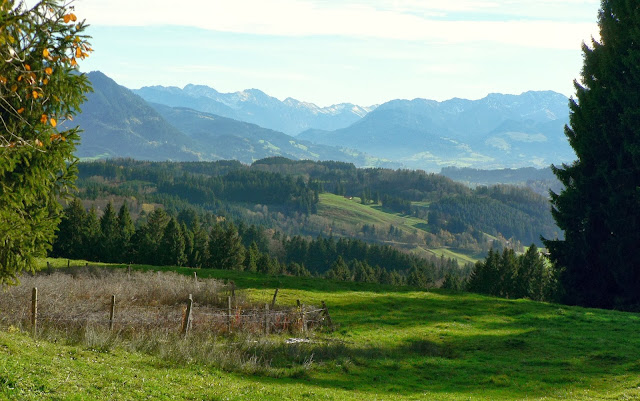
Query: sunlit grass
389,343
351,213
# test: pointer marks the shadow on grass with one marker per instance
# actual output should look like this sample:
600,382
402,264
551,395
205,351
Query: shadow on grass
247,280
481,346
397,341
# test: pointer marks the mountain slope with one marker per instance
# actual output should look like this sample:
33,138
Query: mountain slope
290,116
226,138
494,132
118,123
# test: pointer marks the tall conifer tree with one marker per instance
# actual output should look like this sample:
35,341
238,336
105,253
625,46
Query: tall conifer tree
109,250
126,229
171,249
599,208
71,238
40,88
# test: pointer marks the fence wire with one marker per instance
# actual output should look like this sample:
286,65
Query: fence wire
148,302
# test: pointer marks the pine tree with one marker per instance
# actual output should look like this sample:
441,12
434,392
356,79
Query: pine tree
339,271
507,275
109,236
171,250
91,238
147,238
484,277
71,236
251,260
225,248
40,47
199,254
532,276
188,243
599,208
126,229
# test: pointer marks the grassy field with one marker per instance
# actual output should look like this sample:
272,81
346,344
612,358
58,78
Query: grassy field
351,212
390,344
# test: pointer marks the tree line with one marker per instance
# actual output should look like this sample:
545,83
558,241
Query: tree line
189,239
203,184
293,187
509,275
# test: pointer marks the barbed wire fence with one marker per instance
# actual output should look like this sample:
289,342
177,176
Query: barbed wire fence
132,302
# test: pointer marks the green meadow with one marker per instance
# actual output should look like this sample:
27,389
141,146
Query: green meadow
351,213
389,343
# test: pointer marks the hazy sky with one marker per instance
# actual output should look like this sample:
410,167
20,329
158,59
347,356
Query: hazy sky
359,51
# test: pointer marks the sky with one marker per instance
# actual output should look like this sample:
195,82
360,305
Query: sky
327,52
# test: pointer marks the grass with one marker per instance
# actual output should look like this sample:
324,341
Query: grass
463,257
350,212
390,344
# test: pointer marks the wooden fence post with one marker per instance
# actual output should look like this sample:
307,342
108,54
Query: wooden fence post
266,319
129,270
195,278
68,263
113,312
233,292
229,314
34,311
273,302
302,316
325,311
186,322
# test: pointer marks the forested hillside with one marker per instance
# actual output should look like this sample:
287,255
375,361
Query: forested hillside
410,210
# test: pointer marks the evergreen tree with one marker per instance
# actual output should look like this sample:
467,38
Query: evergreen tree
147,238
40,47
71,237
532,277
507,275
188,243
126,229
599,207
452,282
171,250
225,248
199,254
418,277
91,236
109,250
251,260
484,276
339,271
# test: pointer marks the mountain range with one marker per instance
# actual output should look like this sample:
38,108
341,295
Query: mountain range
194,123
118,123
498,131
290,116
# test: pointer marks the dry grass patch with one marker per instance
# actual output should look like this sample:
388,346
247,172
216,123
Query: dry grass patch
74,307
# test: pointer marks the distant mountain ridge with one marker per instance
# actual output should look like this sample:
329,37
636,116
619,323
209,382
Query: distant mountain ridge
290,116
118,123
498,131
